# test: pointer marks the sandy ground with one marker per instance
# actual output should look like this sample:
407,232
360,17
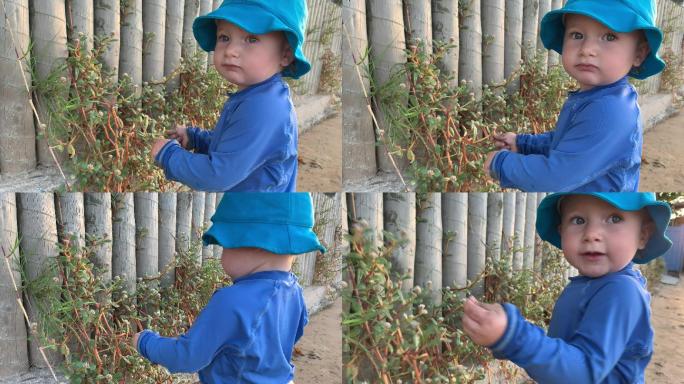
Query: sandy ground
318,354
320,157
661,166
667,365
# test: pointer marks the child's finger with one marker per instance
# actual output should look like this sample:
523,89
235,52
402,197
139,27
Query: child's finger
476,311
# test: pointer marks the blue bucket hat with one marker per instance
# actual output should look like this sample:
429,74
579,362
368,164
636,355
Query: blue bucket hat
259,17
620,16
277,222
548,219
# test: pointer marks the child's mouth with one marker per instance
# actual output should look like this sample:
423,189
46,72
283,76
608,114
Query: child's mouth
592,256
586,67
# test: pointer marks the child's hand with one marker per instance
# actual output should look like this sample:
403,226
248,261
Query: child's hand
180,133
134,341
488,161
157,146
484,323
506,140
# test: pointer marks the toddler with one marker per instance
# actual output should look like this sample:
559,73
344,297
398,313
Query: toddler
596,146
247,331
600,329
254,144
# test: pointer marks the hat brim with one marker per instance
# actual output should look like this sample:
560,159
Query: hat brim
548,220
617,19
242,15
281,239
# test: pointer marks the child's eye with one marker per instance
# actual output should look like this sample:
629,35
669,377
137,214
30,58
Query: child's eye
252,39
223,38
614,219
610,37
576,35
577,220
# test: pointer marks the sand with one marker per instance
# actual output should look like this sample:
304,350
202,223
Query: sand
667,364
318,356
320,157
661,166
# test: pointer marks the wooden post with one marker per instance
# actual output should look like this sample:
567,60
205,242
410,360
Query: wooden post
13,338
399,217
17,133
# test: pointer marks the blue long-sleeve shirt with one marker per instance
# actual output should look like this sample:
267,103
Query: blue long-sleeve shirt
252,149
600,332
596,146
245,334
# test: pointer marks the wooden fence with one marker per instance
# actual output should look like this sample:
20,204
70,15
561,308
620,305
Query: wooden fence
451,236
150,38
143,232
491,38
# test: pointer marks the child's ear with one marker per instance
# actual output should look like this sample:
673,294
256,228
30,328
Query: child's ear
642,50
647,229
287,57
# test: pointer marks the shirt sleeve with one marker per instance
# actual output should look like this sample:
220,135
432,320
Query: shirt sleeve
593,350
199,139
255,135
599,139
532,144
213,329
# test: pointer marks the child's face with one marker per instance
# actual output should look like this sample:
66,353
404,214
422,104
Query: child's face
245,59
595,55
598,238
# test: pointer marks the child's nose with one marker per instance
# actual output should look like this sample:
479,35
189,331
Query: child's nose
588,47
592,232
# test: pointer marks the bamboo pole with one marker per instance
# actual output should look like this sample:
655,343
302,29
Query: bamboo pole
399,218
386,41
167,237
190,12
508,225
554,57
197,222
529,30
455,247
544,8
530,220
154,32
38,229
130,61
204,8
17,133
445,28
98,227
477,232
146,206
494,224
513,41
123,239
493,34
209,207
519,230
173,40
470,55
107,23
368,207
70,210
418,22
357,126
13,336
183,221
80,16
49,38
428,269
